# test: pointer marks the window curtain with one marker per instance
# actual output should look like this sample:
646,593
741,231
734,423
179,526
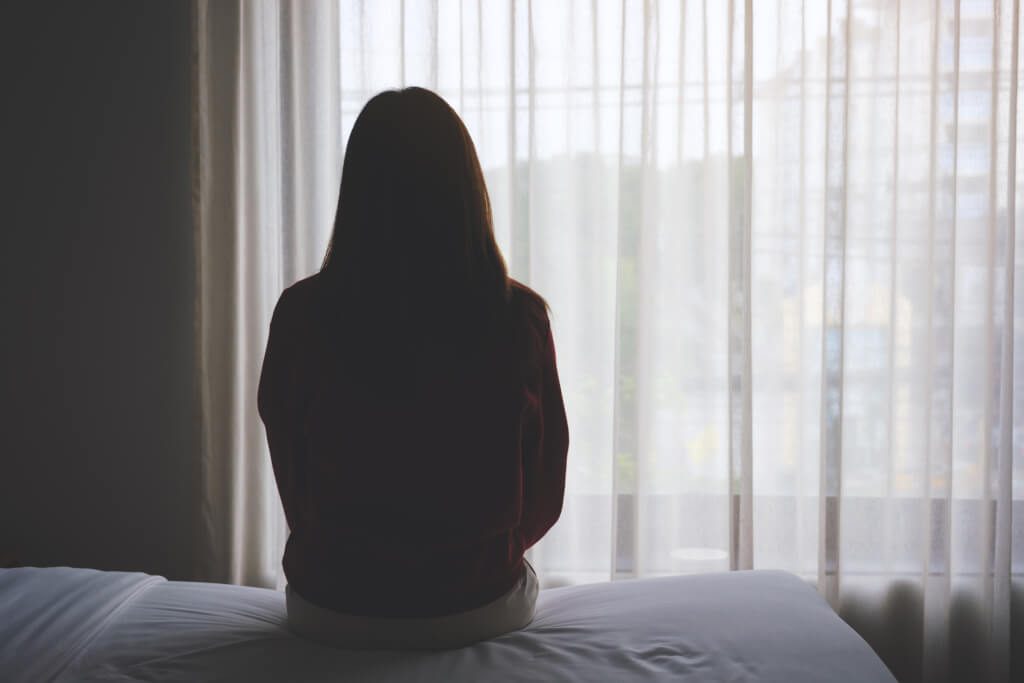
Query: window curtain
779,244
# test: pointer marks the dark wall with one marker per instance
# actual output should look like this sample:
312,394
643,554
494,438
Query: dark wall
97,428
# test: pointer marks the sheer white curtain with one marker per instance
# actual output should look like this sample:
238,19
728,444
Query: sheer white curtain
779,244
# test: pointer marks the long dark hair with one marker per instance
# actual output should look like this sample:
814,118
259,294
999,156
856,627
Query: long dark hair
413,253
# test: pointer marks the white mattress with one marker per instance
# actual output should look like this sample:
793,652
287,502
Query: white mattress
63,624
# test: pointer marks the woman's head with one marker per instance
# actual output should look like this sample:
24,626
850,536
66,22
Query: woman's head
414,219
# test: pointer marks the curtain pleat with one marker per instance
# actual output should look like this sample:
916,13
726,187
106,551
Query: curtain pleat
779,244
1006,583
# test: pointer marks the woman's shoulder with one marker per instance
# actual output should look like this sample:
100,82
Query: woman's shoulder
296,305
305,289
530,304
300,295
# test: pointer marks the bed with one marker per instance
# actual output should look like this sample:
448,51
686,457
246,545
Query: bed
62,624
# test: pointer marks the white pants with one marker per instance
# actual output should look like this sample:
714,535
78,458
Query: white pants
510,612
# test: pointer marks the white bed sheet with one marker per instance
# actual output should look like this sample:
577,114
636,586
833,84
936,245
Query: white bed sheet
62,624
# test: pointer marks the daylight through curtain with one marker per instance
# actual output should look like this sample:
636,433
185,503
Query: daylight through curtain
779,243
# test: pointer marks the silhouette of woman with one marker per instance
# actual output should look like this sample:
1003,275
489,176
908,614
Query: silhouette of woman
411,402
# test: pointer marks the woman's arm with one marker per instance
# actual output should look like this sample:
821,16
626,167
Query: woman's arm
544,454
275,398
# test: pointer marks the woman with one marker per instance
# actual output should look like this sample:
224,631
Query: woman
411,402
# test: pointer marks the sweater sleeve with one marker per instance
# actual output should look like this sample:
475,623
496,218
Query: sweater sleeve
274,398
544,454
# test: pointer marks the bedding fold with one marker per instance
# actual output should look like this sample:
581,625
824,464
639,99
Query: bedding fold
50,617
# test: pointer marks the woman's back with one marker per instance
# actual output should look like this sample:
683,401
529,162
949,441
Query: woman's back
413,474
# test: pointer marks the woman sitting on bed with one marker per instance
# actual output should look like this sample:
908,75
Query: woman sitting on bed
411,402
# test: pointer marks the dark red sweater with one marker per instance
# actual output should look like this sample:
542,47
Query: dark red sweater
417,500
